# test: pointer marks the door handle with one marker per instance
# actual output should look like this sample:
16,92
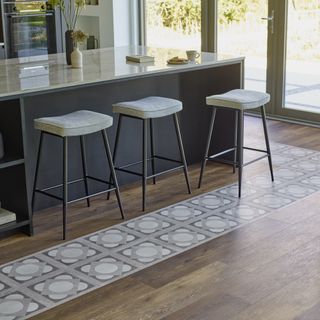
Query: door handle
270,20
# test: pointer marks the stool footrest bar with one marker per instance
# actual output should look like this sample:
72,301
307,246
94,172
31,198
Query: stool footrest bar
100,180
75,200
92,195
48,194
60,185
254,149
128,171
164,172
222,153
254,160
167,159
225,161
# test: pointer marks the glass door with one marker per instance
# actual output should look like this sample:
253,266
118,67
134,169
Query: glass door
173,23
243,31
301,85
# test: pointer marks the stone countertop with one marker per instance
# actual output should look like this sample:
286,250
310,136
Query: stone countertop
35,75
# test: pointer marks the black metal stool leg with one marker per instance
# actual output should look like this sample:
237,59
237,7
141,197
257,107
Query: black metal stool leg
112,170
240,148
65,184
266,136
84,168
115,149
235,141
205,159
35,181
152,151
182,154
144,162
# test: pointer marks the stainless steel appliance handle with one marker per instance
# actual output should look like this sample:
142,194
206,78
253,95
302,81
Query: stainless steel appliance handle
29,15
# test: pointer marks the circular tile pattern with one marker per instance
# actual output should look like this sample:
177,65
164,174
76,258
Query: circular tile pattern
280,159
211,201
72,253
106,269
288,174
296,190
245,212
298,152
233,191
27,269
314,180
263,182
181,213
306,165
16,306
147,252
148,225
182,237
272,201
61,287
215,224
112,238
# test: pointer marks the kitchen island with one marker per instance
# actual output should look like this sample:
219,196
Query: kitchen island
43,86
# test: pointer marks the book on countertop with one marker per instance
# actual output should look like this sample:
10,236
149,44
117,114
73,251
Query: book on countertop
6,216
139,58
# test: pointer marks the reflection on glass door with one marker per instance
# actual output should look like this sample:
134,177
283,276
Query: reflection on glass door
173,23
242,31
302,87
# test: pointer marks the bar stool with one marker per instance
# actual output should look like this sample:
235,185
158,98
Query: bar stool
76,124
239,100
147,109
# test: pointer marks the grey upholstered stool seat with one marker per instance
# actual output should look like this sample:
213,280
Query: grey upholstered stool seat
145,110
239,99
150,107
74,124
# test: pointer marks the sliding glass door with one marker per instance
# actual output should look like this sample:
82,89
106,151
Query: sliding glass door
301,87
242,30
280,40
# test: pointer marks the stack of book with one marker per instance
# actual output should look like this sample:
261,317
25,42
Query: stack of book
6,216
139,58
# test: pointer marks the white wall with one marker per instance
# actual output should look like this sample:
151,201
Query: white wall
113,22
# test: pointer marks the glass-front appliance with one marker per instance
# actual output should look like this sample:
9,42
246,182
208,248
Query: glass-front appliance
29,28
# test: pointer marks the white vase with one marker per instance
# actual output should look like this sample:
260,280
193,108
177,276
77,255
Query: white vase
76,58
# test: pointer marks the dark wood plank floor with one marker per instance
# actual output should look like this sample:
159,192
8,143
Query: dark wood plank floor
268,269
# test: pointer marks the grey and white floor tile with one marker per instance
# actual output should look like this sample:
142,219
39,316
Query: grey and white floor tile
216,224
212,201
18,306
38,282
181,213
306,165
313,180
106,269
272,201
71,253
289,173
112,238
264,182
245,212
232,191
296,190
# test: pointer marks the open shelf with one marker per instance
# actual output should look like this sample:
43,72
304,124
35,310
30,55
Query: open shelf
13,187
14,225
10,161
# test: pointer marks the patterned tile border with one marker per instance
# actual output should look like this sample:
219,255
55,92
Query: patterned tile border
36,283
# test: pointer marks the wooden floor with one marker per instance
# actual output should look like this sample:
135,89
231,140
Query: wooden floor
269,269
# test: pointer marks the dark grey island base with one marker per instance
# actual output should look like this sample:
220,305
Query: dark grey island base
17,112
